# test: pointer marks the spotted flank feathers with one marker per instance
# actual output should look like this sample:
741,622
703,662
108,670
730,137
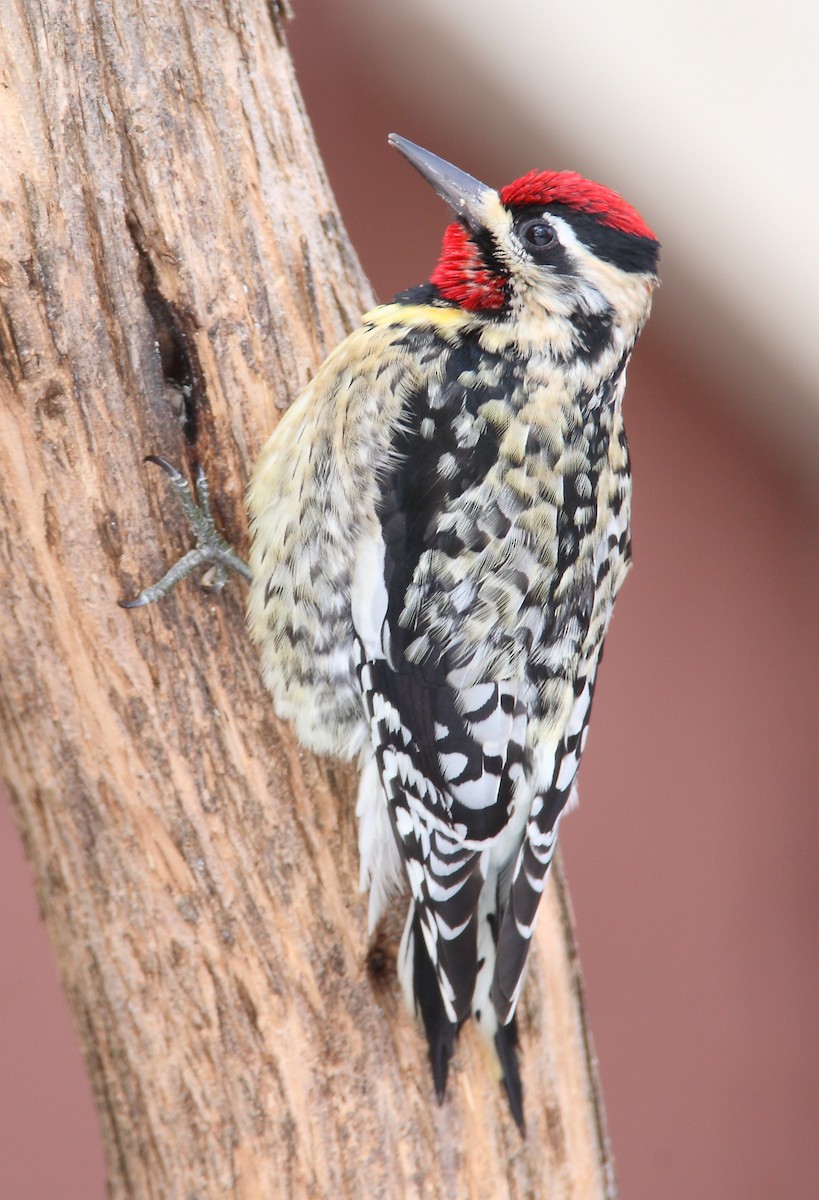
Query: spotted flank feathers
440,529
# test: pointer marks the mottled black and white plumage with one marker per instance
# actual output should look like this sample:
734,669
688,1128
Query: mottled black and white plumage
440,527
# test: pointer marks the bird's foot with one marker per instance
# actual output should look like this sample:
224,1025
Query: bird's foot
211,549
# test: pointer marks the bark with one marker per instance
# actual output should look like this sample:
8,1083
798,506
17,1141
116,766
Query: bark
174,268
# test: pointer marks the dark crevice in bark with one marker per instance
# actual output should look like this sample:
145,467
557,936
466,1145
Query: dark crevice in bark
174,340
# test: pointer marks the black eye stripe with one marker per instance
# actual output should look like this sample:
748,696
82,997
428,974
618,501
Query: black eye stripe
628,251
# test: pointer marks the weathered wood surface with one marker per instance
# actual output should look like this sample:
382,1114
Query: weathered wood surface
173,268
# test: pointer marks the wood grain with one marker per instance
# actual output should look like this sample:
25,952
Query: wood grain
173,270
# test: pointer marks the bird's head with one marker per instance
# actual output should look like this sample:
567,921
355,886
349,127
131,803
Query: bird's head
559,259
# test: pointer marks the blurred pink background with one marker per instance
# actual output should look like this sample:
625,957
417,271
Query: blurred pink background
692,857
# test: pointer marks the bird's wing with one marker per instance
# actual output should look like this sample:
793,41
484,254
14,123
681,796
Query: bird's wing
588,616
536,852
447,737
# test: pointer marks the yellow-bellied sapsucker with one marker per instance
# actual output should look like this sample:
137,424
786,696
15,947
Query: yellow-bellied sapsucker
440,526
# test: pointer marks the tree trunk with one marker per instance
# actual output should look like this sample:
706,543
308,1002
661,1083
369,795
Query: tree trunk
174,268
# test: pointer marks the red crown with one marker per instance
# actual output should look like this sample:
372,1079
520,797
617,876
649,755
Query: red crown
571,189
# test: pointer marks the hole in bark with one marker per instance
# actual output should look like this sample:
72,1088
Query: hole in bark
376,962
381,964
174,341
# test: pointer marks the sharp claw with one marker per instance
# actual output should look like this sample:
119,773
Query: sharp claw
139,602
166,466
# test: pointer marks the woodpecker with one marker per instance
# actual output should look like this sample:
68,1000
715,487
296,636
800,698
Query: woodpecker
440,525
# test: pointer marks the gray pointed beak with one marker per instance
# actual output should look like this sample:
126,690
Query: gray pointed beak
465,195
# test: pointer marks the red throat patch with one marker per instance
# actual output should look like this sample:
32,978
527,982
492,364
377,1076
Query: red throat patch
571,189
463,277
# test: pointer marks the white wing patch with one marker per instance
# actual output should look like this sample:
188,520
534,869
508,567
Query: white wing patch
369,595
380,871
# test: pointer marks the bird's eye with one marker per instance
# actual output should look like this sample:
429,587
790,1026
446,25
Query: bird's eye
537,235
